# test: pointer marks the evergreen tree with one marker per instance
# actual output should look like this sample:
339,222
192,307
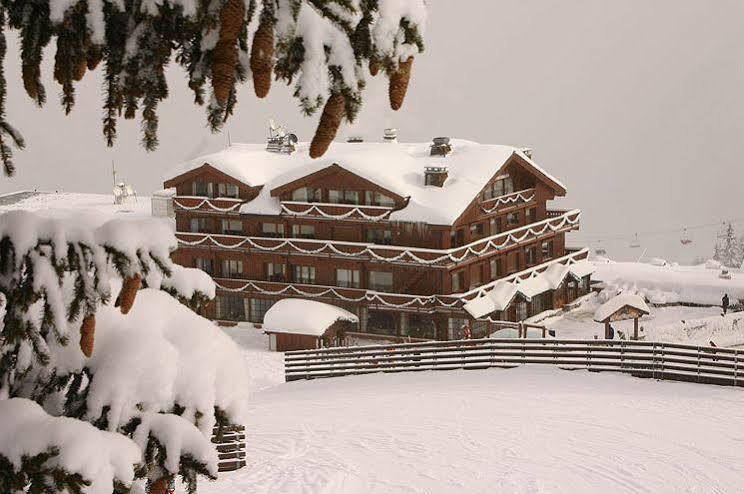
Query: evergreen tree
219,43
55,278
730,248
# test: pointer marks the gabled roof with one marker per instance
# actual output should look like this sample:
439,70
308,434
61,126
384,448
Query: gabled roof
606,310
397,167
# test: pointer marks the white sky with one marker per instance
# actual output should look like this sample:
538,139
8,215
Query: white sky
636,105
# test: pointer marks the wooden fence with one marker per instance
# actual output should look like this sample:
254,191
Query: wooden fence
230,447
710,365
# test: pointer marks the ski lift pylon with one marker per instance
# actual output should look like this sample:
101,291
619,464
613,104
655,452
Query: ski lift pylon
600,251
685,240
635,243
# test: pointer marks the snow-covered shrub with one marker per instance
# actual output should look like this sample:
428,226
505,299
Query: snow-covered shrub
160,374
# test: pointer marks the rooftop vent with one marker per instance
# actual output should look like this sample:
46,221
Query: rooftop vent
390,135
435,175
355,139
440,146
279,140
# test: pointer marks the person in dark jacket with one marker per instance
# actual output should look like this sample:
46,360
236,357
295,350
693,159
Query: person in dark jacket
725,303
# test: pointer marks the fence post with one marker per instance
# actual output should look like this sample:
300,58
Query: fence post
698,364
736,367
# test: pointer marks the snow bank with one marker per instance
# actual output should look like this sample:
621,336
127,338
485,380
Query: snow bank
525,430
99,456
618,302
670,284
188,281
309,317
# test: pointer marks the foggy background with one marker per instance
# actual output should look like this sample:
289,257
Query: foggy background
636,105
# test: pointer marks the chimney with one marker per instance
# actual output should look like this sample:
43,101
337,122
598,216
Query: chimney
440,147
435,175
390,135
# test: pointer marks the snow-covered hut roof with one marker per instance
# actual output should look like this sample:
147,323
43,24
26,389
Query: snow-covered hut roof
616,303
307,317
397,167
502,292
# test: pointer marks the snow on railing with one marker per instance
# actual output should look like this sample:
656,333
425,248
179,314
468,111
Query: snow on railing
494,203
320,209
389,253
638,358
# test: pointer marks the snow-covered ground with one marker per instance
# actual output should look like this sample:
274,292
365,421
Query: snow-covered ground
95,208
525,430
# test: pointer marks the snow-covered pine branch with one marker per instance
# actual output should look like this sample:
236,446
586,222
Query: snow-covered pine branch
164,382
322,46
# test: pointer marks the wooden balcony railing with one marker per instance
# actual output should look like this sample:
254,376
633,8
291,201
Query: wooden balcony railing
555,213
335,211
521,196
221,205
387,253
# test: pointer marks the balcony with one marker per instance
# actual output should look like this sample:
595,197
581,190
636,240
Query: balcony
439,258
555,213
336,211
507,201
221,205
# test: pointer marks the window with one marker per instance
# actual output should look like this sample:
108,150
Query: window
479,329
547,250
380,322
348,278
232,227
373,198
477,275
416,325
335,196
203,264
498,188
477,230
343,196
228,190
495,265
381,281
275,271
304,274
585,285
232,268
531,215
457,238
259,306
303,231
494,225
272,229
203,189
200,225
513,218
379,236
538,303
306,194
531,256
488,192
508,186
231,308
458,281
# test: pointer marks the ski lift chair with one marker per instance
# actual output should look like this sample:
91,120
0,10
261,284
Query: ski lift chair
685,240
635,244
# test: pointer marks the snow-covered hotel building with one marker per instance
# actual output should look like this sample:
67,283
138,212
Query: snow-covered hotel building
413,238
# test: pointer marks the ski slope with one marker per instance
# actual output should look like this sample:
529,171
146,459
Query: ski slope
525,430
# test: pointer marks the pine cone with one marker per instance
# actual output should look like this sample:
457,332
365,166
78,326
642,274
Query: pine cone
95,55
399,83
129,292
80,67
87,335
374,66
160,486
262,58
30,81
330,120
225,55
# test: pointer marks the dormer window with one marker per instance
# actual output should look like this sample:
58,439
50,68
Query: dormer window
202,189
228,190
435,175
306,194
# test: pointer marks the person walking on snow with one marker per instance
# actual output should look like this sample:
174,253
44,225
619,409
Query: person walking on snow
465,331
725,303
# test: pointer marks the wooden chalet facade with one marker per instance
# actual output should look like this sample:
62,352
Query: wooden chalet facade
416,255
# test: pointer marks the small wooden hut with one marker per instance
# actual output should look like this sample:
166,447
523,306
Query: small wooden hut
297,324
620,308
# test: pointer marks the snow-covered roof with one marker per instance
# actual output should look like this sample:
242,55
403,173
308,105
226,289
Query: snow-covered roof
616,303
308,317
398,167
503,291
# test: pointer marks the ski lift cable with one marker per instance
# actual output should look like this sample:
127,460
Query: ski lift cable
625,236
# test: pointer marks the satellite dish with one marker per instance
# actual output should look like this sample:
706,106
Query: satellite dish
292,138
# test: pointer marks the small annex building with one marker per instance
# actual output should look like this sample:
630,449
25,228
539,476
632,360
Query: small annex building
299,324
622,307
